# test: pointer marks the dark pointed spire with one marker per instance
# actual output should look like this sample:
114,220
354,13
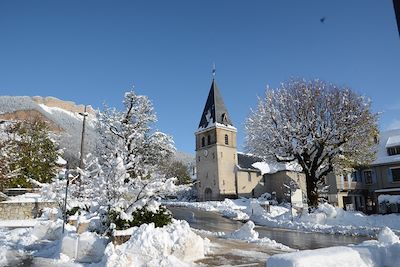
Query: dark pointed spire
214,110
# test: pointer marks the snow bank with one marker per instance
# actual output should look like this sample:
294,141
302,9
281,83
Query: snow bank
87,247
384,252
172,245
325,219
27,197
389,198
227,208
48,230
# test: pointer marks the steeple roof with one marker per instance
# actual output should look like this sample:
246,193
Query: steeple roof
214,110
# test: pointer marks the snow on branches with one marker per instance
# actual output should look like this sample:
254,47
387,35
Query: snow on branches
322,126
130,156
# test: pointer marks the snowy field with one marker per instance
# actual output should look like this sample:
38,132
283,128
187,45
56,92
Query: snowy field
326,219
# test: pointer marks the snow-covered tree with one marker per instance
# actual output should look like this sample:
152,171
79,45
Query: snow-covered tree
321,126
126,175
128,134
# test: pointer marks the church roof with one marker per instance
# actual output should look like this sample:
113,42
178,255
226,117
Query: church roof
246,161
214,111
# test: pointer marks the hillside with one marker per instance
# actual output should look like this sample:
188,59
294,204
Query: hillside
61,116
63,120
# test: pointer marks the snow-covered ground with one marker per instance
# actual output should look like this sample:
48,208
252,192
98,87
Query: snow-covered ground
45,244
326,219
383,252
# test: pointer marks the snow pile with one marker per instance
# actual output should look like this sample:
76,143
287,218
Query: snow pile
48,230
172,245
12,243
246,232
87,247
389,199
384,252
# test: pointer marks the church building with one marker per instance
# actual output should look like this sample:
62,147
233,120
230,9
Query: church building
222,172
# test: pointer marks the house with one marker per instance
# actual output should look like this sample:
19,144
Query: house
361,189
222,172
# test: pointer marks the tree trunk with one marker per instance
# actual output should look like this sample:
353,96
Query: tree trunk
312,192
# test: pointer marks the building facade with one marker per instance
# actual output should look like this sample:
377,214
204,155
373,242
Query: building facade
221,171
361,189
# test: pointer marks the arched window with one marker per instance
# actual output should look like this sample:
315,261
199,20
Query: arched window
208,140
203,141
226,140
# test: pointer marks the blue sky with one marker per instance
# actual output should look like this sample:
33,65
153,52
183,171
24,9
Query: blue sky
91,52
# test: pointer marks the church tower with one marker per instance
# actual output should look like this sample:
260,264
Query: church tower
216,155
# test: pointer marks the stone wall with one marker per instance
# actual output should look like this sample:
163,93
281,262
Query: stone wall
23,210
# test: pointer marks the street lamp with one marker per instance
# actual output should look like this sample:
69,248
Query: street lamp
84,114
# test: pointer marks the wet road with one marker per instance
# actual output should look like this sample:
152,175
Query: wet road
214,222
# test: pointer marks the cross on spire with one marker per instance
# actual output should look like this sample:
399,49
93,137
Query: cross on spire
213,71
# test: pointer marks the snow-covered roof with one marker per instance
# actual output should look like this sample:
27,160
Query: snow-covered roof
387,139
274,167
246,161
251,162
393,141
396,189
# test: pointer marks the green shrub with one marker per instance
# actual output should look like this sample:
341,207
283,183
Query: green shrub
141,216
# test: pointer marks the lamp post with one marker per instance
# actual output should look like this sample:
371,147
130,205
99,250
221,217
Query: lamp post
66,194
84,114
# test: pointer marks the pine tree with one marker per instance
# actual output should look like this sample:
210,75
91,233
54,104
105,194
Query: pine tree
33,153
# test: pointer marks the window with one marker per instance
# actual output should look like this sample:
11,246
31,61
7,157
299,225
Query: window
368,177
203,141
208,140
396,174
249,176
393,150
213,155
198,158
226,140
354,177
224,119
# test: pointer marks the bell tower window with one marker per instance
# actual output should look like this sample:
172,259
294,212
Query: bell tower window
203,141
224,119
208,140
226,140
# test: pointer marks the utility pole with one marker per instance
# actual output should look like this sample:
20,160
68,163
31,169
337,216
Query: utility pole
65,199
84,114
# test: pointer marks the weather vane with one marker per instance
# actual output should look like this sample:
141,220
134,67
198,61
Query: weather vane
213,70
